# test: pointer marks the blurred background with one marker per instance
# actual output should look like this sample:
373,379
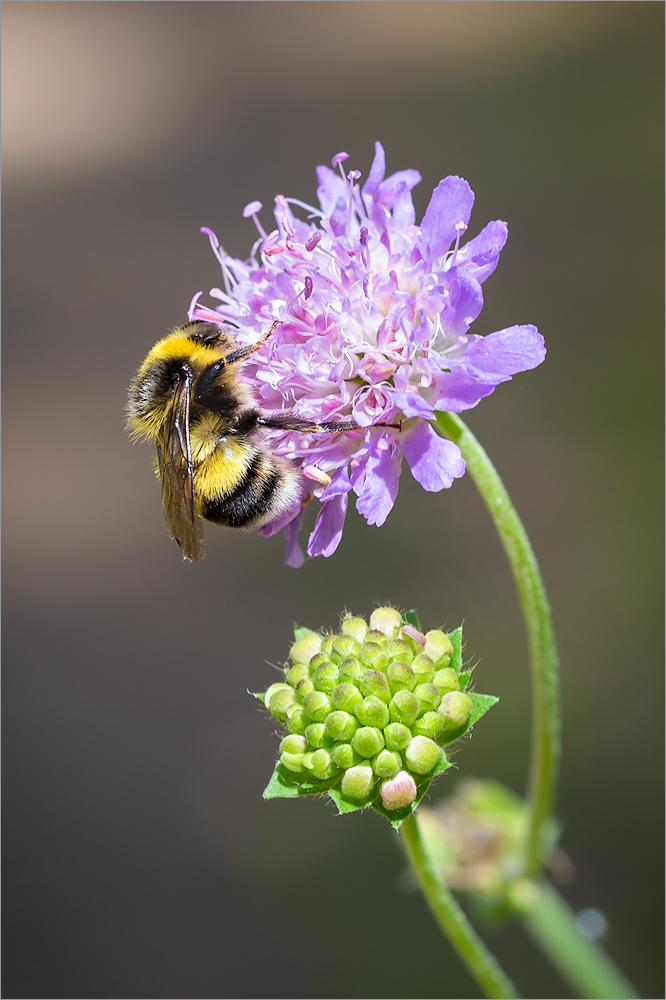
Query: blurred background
140,859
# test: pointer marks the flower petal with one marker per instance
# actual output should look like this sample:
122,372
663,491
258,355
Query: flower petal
327,532
376,483
479,257
450,204
497,356
435,462
294,553
457,391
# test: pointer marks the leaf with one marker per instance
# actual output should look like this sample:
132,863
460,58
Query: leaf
412,618
285,784
345,805
456,656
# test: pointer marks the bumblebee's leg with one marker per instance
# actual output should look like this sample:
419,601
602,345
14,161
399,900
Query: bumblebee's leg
244,352
287,422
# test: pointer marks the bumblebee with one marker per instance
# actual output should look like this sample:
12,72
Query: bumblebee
212,459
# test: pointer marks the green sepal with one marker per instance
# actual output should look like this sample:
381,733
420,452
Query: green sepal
411,617
455,638
464,679
481,703
299,632
285,784
345,805
259,695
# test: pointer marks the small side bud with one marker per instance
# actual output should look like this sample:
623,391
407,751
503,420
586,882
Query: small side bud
373,655
355,627
404,707
455,709
343,756
317,705
400,676
437,646
386,620
398,649
315,734
431,724
386,764
325,677
350,669
293,761
372,712
297,719
277,700
303,689
345,697
293,744
340,726
322,766
446,680
305,648
398,792
296,673
358,781
368,741
397,737
346,645
424,668
327,644
374,682
429,696
422,755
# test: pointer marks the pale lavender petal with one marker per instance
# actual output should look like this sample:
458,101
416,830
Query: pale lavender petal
500,355
331,188
404,213
450,204
463,305
377,487
376,175
457,392
480,256
413,404
389,188
327,532
435,461
294,553
338,486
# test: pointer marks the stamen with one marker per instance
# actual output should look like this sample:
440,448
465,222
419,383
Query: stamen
251,210
312,472
315,213
460,229
218,250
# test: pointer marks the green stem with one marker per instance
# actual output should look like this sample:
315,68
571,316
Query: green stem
551,923
453,922
545,749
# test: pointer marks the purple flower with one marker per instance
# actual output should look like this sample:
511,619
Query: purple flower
375,312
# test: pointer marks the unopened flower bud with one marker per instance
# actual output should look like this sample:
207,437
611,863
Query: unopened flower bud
322,766
372,711
350,669
346,645
293,761
424,668
315,734
296,673
345,697
297,719
340,726
368,741
343,756
355,627
398,649
455,708
430,724
437,646
293,744
422,755
303,689
373,655
327,644
305,648
397,736
277,700
386,620
398,792
325,677
358,781
374,682
404,707
429,696
400,676
317,705
446,680
386,763
316,661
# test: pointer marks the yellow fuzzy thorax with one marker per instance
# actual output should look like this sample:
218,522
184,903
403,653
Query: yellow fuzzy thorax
176,347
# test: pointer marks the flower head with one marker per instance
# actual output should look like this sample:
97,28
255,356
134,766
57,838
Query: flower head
368,711
374,313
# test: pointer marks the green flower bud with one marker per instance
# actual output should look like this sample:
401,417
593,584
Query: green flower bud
297,719
293,744
358,781
315,734
296,673
398,649
346,645
317,705
322,766
277,700
386,620
404,707
397,736
446,680
422,755
368,741
430,724
345,697
343,756
429,696
424,668
372,712
303,688
437,646
350,669
293,761
455,709
374,682
325,677
316,661
373,655
340,726
327,643
400,676
398,792
354,627
386,764
305,648
374,635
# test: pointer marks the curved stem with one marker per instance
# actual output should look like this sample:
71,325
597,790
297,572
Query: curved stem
545,748
453,922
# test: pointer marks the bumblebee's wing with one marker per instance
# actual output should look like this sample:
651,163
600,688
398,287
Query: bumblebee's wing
174,457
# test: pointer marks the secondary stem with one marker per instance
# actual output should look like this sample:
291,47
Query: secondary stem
545,749
453,922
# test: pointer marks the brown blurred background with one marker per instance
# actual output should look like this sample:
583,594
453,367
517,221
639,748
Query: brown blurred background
140,859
